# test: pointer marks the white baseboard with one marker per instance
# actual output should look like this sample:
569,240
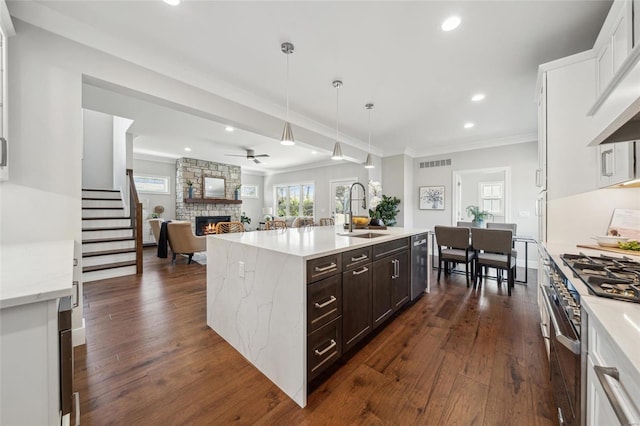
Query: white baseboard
79,336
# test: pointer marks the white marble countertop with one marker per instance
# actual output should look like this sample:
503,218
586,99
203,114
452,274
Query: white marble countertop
622,322
315,241
35,272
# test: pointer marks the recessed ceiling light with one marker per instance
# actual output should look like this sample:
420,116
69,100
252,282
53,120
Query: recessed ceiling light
478,97
172,2
187,149
451,23
314,152
468,125
229,129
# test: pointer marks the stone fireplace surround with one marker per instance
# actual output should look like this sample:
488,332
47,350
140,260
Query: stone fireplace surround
195,170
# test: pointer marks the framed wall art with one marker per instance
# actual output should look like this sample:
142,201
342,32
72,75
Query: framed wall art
249,191
431,197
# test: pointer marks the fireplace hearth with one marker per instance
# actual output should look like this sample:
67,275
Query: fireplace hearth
207,224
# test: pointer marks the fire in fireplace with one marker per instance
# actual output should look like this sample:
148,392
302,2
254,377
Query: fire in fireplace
207,224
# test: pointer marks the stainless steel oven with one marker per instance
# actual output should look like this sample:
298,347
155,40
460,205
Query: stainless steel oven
562,303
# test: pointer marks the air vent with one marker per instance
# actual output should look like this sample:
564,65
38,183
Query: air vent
435,163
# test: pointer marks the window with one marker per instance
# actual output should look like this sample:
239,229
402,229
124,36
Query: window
492,198
295,200
152,184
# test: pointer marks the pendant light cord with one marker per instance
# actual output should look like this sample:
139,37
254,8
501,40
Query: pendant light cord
337,99
369,130
287,88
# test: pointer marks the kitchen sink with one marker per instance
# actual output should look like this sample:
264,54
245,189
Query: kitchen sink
362,235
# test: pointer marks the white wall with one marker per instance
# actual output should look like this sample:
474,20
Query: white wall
168,201
522,158
577,218
97,159
320,176
120,126
393,185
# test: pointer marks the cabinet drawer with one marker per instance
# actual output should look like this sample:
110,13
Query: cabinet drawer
604,352
385,249
355,258
324,302
324,347
323,267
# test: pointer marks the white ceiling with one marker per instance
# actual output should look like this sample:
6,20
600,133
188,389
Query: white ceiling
392,53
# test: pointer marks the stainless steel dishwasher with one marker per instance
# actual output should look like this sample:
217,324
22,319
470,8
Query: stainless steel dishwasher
419,265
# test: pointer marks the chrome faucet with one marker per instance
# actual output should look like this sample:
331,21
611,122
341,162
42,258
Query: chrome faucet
364,202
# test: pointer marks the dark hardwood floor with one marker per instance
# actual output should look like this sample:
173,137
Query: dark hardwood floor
456,356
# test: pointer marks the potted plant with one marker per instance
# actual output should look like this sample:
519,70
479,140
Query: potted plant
237,192
190,186
245,219
479,216
385,212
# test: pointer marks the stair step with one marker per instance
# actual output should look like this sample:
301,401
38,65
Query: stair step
102,208
100,190
107,240
95,233
107,252
108,273
106,218
108,228
108,266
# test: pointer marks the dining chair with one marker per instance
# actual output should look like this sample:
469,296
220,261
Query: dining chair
454,247
513,227
465,224
327,221
493,250
228,227
276,224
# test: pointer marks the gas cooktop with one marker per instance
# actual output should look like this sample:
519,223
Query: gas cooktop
607,276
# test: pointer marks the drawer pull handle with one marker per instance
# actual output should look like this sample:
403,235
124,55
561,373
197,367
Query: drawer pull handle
325,304
326,268
327,349
362,271
359,258
612,396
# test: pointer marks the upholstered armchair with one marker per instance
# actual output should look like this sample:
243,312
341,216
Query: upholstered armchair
183,241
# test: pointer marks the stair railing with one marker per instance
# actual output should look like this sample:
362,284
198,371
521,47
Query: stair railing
135,213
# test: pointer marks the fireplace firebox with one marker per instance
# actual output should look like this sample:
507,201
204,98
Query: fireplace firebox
207,224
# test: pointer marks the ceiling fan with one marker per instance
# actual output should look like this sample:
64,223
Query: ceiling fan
250,155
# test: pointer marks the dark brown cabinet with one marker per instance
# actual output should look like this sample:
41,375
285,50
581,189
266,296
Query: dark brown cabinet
351,293
400,284
390,284
324,302
357,321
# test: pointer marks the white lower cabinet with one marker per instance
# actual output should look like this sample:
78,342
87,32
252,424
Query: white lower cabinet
612,390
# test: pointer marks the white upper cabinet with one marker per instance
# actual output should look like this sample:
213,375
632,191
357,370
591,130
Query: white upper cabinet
6,30
615,163
541,172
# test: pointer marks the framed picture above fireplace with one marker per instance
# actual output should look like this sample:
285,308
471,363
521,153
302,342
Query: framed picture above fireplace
213,187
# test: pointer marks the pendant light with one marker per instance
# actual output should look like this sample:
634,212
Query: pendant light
287,133
337,149
369,163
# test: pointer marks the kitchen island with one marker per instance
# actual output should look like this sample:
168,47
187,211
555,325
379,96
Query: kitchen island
259,289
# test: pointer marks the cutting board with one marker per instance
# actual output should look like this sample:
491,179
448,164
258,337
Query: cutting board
611,249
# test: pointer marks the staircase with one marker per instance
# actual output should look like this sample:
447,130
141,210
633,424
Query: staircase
108,238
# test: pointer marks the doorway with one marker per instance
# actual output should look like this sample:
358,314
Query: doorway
339,202
489,188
